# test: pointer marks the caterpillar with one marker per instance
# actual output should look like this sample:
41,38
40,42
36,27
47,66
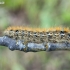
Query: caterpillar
38,35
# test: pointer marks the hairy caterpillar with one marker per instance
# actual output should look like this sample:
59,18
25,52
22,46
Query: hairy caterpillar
37,35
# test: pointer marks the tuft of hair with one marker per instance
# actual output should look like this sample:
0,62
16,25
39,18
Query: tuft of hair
14,28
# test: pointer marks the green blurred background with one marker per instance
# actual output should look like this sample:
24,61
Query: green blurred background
34,13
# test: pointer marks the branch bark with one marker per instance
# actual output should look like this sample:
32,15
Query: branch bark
32,47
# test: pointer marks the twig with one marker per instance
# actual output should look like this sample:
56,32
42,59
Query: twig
32,47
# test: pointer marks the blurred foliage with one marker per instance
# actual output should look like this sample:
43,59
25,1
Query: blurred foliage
3,20
34,13
12,4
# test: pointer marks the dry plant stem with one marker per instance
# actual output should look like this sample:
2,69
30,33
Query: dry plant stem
32,47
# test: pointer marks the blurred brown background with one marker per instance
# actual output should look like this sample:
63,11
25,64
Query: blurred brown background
34,13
